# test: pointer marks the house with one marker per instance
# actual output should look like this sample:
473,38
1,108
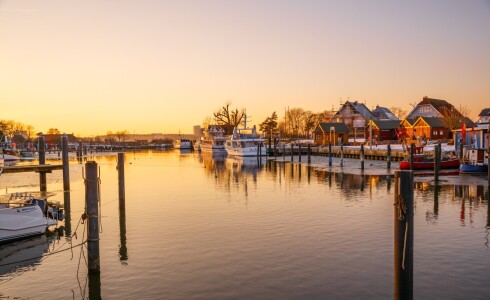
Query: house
405,129
356,116
431,128
430,107
383,113
53,141
484,119
334,133
383,130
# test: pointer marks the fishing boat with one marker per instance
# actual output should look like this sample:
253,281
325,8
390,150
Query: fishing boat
474,162
26,218
213,140
245,142
425,161
10,154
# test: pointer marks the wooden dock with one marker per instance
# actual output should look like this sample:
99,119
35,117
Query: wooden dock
33,168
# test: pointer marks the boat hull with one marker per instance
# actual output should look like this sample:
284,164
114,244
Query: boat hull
429,165
473,169
21,222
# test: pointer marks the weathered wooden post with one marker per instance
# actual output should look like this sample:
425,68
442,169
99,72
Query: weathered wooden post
292,158
437,161
412,149
404,229
488,176
92,201
461,151
42,161
299,152
120,177
309,154
66,164
388,157
330,154
362,157
341,154
283,152
80,151
275,150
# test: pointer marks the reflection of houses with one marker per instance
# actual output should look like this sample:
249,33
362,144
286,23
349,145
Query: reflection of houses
326,133
383,130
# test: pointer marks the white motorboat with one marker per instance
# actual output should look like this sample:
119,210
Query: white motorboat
245,142
183,144
213,140
27,218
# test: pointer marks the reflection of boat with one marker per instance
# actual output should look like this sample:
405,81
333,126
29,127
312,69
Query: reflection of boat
213,140
27,218
474,162
183,144
23,253
245,142
423,161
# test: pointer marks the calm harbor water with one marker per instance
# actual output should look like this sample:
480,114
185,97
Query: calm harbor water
198,227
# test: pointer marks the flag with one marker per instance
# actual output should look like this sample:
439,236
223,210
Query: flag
463,131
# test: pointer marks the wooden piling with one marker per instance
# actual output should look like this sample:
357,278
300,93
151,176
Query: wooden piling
412,149
42,161
120,177
283,152
488,167
299,152
341,154
292,158
362,157
309,154
404,228
92,201
388,157
437,161
329,154
66,165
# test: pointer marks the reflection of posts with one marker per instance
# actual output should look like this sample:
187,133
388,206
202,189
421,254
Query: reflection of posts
94,286
403,219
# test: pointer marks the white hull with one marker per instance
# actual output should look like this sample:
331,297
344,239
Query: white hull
183,145
212,148
20,222
245,152
8,157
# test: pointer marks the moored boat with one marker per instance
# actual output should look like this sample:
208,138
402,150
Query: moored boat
424,161
474,162
26,218
213,140
183,144
245,142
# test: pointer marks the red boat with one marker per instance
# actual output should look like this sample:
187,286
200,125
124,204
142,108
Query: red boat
423,161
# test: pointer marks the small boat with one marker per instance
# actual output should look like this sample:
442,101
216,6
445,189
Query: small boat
424,161
213,140
27,218
183,144
245,142
474,162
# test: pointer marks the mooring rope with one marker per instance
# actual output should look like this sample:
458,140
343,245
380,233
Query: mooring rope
401,212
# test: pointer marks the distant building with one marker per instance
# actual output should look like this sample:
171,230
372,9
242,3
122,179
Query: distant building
484,119
434,108
334,133
383,113
197,131
356,116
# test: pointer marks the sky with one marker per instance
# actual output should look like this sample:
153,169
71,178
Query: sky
155,66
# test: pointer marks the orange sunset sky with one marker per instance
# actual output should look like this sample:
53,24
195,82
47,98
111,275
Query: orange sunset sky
86,67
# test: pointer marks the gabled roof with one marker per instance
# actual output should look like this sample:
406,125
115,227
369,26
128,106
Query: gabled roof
442,106
431,121
386,124
384,113
485,112
410,121
469,123
361,108
325,128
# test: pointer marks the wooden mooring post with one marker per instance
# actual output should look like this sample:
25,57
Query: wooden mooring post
330,154
120,177
412,149
361,156
488,167
283,152
292,158
309,154
437,161
341,154
404,229
42,161
388,156
92,201
299,152
66,165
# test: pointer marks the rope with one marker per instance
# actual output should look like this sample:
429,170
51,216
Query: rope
401,212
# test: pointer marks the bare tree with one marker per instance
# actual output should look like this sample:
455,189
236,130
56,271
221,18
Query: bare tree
399,112
227,116
121,135
53,131
453,118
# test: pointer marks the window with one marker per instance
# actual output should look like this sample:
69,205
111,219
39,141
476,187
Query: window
434,132
441,132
